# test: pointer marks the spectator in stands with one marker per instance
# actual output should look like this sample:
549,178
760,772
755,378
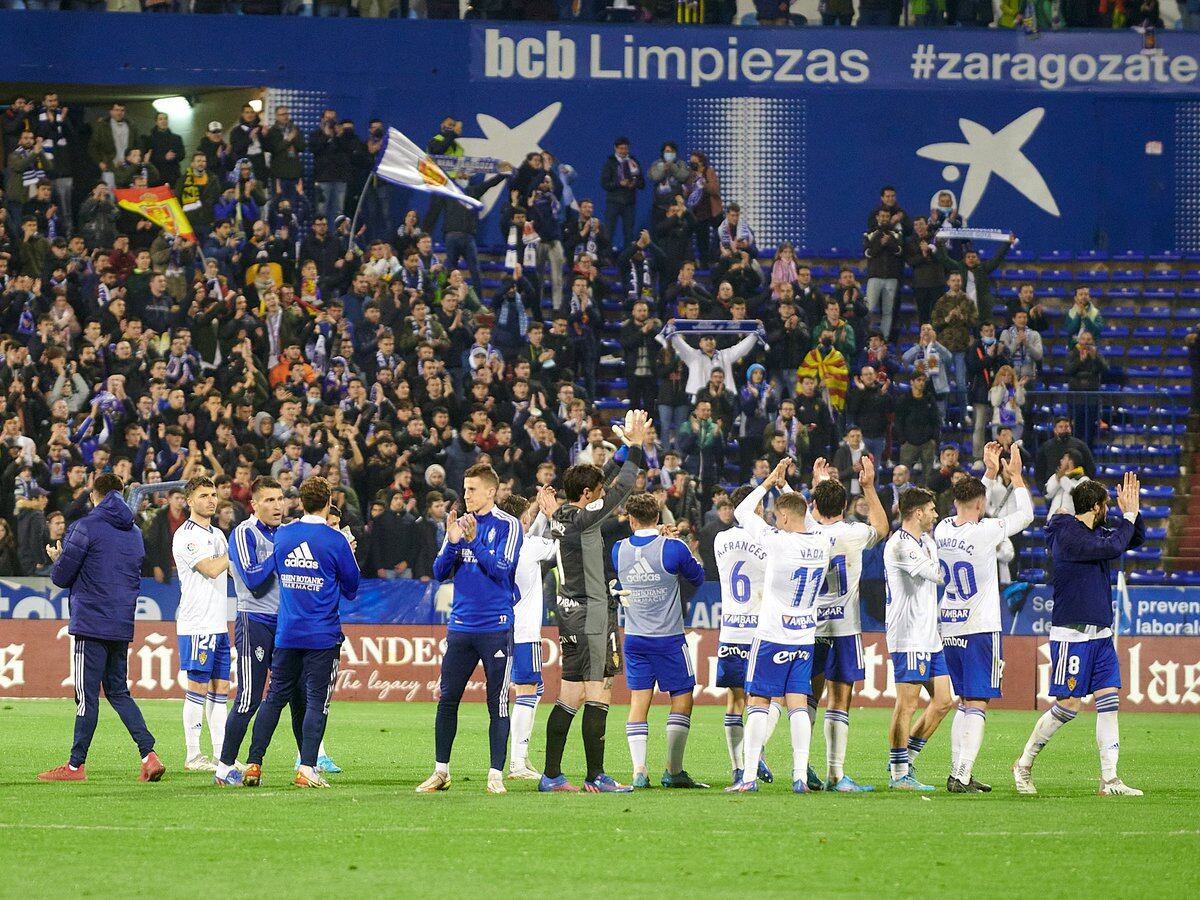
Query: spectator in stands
888,203
815,416
673,237
701,362
834,331
878,355
977,276
837,12
935,361
722,521
734,236
943,214
869,406
112,135
955,318
1027,300
1051,451
890,495
640,349
702,443
1024,346
784,269
948,464
918,427
621,177
703,199
1007,399
788,337
668,175
883,245
809,299
1083,318
1066,476
10,562
758,402
985,358
1085,370
390,542
848,459
928,273
1192,340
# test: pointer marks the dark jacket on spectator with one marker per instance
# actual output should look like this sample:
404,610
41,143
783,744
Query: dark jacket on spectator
869,409
884,249
1085,374
917,419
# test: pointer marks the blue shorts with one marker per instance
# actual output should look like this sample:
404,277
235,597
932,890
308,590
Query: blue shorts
664,661
839,659
731,665
204,656
527,663
975,663
778,669
918,668
1079,669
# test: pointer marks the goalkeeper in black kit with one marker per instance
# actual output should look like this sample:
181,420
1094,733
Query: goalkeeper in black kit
587,614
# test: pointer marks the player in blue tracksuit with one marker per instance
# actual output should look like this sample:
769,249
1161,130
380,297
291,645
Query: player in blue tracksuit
317,571
480,553
99,561
1083,659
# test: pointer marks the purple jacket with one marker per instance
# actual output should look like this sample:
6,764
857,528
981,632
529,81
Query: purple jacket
101,564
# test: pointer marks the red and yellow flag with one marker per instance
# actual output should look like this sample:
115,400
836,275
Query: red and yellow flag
158,205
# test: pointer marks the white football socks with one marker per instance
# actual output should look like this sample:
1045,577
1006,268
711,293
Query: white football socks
837,734
1051,720
217,711
801,729
678,726
193,722
1108,734
757,722
974,719
523,712
638,735
735,733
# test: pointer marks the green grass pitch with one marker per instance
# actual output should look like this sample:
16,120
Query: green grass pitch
371,836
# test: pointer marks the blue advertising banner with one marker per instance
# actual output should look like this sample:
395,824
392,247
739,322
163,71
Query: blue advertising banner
1074,141
1147,612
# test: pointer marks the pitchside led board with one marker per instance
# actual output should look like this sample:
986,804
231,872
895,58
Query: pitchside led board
1074,141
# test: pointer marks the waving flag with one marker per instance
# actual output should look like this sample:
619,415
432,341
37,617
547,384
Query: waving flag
158,205
404,163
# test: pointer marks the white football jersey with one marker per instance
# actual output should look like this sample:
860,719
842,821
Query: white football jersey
795,574
741,564
913,574
203,602
530,609
967,554
839,613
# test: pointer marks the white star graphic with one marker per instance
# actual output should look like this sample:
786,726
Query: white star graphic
986,154
508,144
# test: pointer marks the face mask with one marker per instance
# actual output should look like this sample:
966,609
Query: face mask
988,341
945,210
668,157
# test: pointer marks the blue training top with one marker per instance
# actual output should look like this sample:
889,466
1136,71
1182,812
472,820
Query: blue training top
484,572
317,570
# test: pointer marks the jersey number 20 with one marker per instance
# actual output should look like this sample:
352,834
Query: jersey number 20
960,579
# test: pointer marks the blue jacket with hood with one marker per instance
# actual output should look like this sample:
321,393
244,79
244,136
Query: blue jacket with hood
101,565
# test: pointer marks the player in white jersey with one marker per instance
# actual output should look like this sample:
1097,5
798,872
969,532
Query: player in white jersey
526,673
912,572
202,621
782,652
838,656
741,564
970,610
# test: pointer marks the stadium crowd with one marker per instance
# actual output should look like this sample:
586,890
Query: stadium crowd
1040,14
281,346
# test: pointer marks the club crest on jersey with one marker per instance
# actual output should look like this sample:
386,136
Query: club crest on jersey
301,558
921,668
1071,682
259,653
203,657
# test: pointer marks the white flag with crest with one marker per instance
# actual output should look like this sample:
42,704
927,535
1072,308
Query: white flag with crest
404,163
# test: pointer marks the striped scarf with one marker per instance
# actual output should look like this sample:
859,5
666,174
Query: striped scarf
831,372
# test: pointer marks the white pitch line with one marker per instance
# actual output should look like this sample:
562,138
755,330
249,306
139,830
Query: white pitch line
1189,832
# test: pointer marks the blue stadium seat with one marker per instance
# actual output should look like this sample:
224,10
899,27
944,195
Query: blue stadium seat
1056,256
1126,275
1120,312
1122,293
1128,256
1160,293
1162,275
1092,256
1091,276
1064,275
612,403
1115,331
1145,351
1165,256
1145,553
1188,579
1149,576
1148,332
1033,576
